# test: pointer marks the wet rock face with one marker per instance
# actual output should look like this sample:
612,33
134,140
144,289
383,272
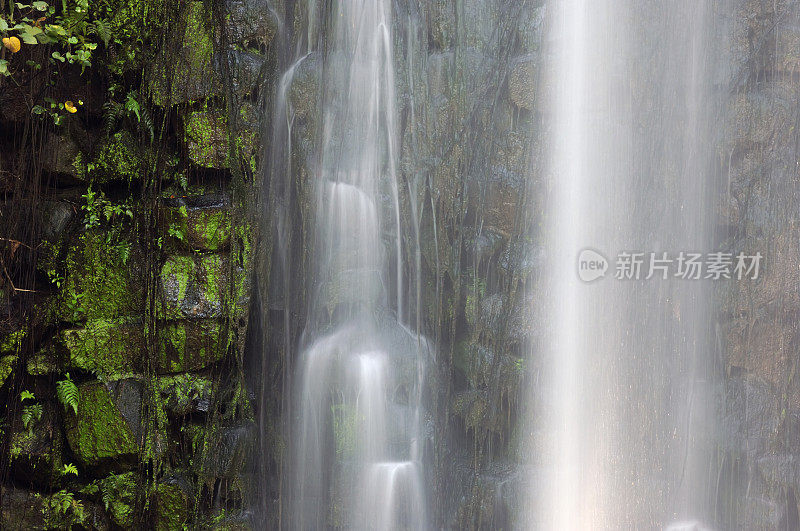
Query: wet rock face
250,20
198,72
100,435
757,324
142,292
521,82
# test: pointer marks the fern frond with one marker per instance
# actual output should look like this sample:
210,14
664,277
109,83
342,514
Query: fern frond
67,393
146,123
113,112
103,29
30,414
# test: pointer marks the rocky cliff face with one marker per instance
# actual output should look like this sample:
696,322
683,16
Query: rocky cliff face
127,258
757,325
156,256
465,91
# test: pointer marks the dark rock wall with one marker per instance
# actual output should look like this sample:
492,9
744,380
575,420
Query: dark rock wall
759,435
167,265
131,291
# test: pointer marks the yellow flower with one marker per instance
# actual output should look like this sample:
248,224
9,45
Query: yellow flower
12,43
68,105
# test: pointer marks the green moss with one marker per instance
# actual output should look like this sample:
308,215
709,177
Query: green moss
12,343
241,272
10,349
176,273
200,229
206,135
117,158
190,346
6,367
171,507
212,277
98,284
109,348
118,492
191,75
207,140
153,428
99,432
36,455
212,229
193,286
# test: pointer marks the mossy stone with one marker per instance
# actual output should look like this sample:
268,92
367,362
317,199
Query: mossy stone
193,286
21,510
172,507
191,75
111,348
207,141
99,434
118,157
99,284
197,229
6,367
12,342
35,454
190,346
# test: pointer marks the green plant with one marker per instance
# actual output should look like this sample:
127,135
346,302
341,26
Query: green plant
124,251
115,112
55,277
68,31
74,305
69,468
177,232
99,209
67,393
62,510
176,229
118,493
71,29
31,413
92,208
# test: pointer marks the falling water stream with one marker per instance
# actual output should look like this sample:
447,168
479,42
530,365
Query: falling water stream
357,461
621,418
631,110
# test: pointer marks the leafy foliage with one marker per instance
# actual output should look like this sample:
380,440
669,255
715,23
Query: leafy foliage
69,468
31,414
63,511
68,393
99,209
132,111
70,29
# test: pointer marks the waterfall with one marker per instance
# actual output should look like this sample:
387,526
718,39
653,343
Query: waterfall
624,416
355,460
